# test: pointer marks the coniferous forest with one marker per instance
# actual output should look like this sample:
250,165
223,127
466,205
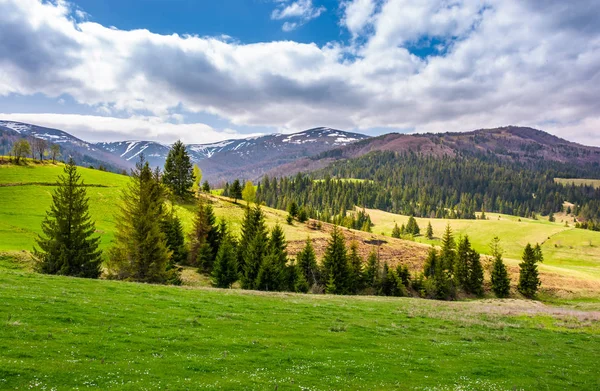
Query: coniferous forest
425,186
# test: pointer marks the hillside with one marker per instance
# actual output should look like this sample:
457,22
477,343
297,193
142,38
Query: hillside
84,153
511,143
571,267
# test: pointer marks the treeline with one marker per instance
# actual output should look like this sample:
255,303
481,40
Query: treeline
425,186
456,268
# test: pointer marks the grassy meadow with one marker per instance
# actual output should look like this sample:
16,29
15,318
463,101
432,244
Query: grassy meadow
579,181
575,251
572,256
62,333
59,333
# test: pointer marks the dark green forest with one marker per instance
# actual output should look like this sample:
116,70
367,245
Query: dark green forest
426,186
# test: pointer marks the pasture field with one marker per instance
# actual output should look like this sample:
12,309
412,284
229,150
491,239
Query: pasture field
66,333
579,181
567,248
26,194
572,256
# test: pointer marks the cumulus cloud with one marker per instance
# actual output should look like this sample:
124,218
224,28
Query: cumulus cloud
494,63
357,15
302,11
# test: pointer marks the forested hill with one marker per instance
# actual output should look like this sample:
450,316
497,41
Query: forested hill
509,144
430,186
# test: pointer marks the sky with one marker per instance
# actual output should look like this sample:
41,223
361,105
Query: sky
204,70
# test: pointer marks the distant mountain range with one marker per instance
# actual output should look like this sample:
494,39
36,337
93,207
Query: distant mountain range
510,143
247,158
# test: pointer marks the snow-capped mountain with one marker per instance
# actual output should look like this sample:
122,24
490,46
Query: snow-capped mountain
244,158
83,152
247,158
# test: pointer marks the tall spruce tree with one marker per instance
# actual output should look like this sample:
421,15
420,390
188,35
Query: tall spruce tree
225,270
202,253
140,251
173,230
235,191
448,251
500,279
355,269
335,264
307,263
178,173
68,245
272,274
468,271
529,281
256,250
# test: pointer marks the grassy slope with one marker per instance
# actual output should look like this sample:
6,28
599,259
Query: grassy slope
570,259
66,333
579,182
563,247
23,207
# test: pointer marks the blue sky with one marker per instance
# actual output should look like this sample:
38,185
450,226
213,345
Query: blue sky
250,23
205,71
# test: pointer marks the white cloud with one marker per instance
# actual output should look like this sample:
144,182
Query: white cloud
301,10
503,62
357,15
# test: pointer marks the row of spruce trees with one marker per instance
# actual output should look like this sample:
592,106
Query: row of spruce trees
457,267
149,246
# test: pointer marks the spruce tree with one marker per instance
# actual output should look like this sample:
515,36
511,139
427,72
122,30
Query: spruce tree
475,279
307,263
529,281
247,233
335,263
500,279
448,253
68,245
272,272
256,250
396,231
371,275
140,251
178,173
300,284
225,270
202,253
355,269
173,230
431,262
461,262
235,191
429,233
206,187
293,209
412,227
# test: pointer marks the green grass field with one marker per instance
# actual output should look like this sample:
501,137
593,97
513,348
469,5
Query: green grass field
26,194
65,333
579,182
564,247
61,333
